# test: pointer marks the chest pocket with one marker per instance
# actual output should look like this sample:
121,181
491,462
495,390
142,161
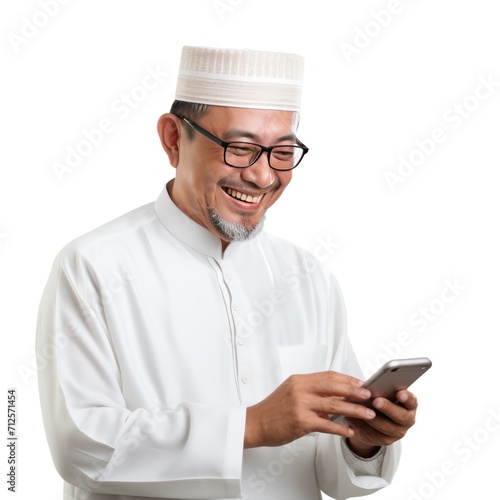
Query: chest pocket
300,359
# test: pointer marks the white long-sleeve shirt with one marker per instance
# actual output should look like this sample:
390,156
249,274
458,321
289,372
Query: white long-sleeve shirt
152,343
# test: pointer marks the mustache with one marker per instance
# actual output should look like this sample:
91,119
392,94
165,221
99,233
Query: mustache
246,185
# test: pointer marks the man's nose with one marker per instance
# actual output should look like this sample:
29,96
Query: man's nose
260,173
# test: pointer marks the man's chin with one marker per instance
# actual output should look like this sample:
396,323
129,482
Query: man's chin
231,231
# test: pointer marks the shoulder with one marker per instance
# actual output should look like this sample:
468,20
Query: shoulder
109,238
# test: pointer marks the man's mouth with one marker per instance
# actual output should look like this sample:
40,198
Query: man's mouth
242,196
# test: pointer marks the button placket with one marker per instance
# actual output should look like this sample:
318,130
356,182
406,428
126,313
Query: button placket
241,343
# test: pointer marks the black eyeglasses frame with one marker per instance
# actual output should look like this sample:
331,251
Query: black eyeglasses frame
300,145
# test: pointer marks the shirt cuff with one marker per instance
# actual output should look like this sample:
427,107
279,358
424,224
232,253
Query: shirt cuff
363,466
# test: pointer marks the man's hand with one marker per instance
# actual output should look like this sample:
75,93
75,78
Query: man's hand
301,405
391,424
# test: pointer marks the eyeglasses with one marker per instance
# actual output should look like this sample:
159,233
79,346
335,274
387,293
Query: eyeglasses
245,154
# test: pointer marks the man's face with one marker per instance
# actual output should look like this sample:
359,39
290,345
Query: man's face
209,191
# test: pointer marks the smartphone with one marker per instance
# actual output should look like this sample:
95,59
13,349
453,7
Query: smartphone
394,376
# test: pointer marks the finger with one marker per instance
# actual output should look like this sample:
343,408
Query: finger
330,382
336,406
396,412
408,399
342,389
326,383
384,426
328,427
366,432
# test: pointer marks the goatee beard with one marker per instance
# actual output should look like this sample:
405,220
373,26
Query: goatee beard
232,231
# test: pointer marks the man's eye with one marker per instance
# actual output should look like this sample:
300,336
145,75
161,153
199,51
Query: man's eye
240,150
283,154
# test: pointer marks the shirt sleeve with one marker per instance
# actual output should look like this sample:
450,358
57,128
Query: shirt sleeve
99,443
340,474
363,466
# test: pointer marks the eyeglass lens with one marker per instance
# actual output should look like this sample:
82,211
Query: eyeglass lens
241,154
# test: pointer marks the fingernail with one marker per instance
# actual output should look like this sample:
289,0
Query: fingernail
365,393
370,413
378,403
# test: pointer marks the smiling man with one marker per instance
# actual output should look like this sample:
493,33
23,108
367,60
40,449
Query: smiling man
230,197
207,373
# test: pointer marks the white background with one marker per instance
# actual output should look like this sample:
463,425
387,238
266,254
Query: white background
367,99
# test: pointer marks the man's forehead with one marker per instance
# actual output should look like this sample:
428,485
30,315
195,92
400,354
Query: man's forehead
253,124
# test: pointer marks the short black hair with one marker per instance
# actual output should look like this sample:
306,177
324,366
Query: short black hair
191,110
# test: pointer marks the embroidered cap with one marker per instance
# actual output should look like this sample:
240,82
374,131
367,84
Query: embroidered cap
240,78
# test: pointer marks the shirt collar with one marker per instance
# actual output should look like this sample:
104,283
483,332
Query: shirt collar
185,228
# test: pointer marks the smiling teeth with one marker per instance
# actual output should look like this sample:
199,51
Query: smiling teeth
243,196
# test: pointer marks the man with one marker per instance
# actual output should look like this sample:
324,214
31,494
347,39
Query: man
194,356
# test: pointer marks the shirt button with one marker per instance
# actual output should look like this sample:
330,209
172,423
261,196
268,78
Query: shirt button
245,379
242,341
236,307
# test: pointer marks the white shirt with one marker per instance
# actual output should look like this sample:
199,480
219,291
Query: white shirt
152,344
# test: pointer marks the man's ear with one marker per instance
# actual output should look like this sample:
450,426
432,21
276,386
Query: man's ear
169,132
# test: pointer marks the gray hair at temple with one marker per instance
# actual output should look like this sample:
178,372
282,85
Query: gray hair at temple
193,111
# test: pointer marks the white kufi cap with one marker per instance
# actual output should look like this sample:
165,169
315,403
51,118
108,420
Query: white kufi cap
240,78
